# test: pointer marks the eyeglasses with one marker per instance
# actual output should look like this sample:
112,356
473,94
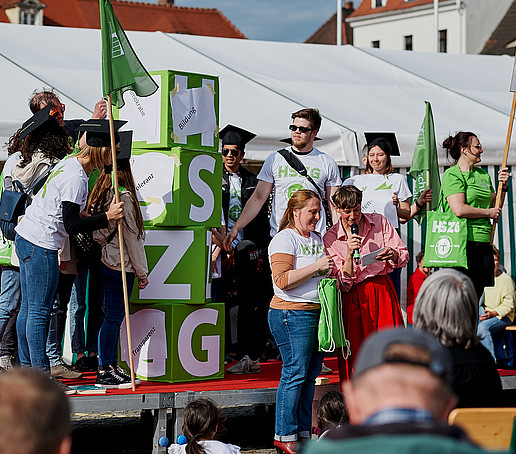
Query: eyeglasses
478,147
56,112
232,152
294,128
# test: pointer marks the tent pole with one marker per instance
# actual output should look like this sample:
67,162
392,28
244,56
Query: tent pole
339,22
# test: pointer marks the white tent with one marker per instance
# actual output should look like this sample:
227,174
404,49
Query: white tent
261,83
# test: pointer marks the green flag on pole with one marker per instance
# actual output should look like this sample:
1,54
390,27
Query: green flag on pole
121,68
425,168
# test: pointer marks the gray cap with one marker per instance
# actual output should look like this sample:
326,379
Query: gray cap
376,351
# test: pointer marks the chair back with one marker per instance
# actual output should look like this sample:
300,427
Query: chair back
491,428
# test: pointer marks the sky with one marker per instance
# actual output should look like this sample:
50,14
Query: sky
271,20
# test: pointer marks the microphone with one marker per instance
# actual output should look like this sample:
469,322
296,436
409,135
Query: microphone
356,252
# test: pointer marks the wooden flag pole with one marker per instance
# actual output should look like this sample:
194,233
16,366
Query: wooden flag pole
504,162
121,242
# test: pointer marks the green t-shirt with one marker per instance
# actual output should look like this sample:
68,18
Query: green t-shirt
478,190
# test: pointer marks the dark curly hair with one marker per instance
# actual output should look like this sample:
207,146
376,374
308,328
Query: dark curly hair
51,139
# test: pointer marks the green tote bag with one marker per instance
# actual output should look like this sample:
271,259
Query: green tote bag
446,238
332,334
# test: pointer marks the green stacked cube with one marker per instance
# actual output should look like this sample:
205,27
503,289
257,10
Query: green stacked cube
177,333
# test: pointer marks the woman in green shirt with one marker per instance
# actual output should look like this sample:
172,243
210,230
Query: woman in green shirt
470,194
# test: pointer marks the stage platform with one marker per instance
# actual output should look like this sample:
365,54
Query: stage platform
164,398
231,391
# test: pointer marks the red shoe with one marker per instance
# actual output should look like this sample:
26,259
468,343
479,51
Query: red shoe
288,447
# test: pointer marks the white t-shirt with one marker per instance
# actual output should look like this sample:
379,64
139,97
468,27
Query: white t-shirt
209,446
8,168
42,223
235,205
305,251
377,192
320,167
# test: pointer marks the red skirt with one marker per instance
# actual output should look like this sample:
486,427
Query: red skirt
368,306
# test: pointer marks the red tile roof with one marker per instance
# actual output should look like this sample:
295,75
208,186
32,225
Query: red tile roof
141,16
3,16
365,8
327,33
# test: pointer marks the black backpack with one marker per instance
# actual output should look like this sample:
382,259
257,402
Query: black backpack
13,203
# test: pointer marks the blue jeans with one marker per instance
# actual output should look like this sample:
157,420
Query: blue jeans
39,272
10,296
110,330
487,328
295,333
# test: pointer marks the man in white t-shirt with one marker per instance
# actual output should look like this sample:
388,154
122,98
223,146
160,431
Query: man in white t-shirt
277,174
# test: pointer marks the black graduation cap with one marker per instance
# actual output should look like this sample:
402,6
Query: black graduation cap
385,140
97,132
40,118
289,140
126,141
233,135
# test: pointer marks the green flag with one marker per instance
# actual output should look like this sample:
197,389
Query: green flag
121,68
424,162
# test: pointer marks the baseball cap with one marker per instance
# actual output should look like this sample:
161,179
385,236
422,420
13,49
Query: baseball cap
380,348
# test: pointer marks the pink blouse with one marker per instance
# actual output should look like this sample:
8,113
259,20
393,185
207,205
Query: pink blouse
378,232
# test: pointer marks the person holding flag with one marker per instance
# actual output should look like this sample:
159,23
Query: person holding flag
121,71
467,191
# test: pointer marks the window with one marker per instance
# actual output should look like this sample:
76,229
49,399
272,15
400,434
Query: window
375,44
443,41
408,42
27,18
377,3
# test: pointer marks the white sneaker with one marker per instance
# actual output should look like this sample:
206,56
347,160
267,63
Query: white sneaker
245,366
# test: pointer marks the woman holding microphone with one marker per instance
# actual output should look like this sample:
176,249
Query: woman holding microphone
298,262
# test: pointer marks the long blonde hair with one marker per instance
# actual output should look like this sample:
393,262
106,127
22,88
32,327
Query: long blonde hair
96,155
298,201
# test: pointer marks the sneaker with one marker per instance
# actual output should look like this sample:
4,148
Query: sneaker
63,370
124,374
66,389
245,366
6,362
109,379
325,370
87,364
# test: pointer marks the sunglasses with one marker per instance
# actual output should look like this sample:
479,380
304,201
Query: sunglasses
232,152
57,112
294,128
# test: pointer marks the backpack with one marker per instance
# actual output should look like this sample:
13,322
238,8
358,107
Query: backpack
13,203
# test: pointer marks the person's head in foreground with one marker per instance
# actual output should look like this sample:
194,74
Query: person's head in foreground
34,414
400,369
447,307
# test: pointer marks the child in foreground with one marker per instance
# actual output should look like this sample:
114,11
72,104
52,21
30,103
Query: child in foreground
202,421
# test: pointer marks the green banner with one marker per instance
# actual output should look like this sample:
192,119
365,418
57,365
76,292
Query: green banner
425,168
121,68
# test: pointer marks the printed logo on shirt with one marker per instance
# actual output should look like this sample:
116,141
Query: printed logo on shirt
234,212
383,186
315,249
288,172
293,188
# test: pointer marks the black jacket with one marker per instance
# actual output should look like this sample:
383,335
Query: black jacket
258,230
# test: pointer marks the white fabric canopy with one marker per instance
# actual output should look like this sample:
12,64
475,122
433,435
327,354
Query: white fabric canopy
262,83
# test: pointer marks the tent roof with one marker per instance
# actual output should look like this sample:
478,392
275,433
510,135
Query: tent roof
262,83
